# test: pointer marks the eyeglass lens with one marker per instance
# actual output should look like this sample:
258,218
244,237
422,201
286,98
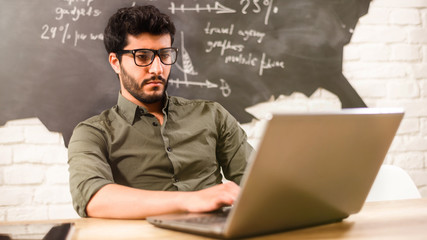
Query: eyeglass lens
145,57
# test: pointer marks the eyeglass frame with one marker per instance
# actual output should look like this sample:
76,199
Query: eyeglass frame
156,52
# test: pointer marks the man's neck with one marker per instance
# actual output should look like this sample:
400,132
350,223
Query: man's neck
155,109
152,107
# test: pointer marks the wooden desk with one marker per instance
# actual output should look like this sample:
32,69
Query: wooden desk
404,219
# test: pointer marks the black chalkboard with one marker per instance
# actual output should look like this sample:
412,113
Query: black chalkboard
239,53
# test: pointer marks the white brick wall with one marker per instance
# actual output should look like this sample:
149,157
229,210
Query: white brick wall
386,63
399,34
33,173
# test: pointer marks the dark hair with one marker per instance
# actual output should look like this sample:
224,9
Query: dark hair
134,21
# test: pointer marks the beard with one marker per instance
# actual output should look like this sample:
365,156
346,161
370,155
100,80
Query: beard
137,91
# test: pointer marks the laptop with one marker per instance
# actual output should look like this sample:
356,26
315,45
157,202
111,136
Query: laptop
309,169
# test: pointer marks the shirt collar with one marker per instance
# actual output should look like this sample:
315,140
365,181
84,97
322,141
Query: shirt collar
129,110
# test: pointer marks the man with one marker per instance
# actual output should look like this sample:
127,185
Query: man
152,153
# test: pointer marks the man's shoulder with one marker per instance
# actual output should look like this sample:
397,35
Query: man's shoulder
101,120
207,108
93,129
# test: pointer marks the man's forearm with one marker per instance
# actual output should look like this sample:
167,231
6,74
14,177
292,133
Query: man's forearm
117,201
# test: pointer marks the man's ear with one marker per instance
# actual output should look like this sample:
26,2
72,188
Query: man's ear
114,62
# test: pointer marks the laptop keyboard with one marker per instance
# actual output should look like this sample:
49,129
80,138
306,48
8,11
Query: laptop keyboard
212,218
207,219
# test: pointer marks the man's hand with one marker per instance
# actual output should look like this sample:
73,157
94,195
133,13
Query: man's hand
212,198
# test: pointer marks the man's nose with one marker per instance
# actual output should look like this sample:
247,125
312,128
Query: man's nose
157,66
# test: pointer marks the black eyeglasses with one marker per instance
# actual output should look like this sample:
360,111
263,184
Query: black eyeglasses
144,57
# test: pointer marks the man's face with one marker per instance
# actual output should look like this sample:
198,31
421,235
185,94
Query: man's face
148,84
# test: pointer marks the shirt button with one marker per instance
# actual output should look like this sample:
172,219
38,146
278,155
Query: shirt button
155,124
169,149
175,179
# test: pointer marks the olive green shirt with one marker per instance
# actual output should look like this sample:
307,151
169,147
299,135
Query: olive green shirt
127,145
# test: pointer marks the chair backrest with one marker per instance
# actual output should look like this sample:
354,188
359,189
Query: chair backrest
392,183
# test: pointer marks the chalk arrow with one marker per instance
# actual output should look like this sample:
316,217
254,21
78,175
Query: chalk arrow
218,8
206,84
210,85
223,9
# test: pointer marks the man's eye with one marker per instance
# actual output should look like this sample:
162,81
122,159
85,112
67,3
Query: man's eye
143,57
165,55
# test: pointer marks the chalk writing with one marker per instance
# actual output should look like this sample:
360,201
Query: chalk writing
248,59
223,45
246,34
269,64
247,3
219,30
187,65
66,16
256,7
240,59
187,68
51,32
179,82
224,87
232,42
82,36
229,41
217,8
62,32
75,13
251,60
270,6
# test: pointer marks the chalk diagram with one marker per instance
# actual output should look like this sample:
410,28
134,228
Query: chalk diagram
187,68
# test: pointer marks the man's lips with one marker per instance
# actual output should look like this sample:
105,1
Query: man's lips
154,81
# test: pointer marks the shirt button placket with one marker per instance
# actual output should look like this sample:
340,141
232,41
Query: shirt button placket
169,149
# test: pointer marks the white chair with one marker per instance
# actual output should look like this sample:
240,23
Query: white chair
392,183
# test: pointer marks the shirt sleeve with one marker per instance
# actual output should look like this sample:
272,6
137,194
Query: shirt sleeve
88,165
233,150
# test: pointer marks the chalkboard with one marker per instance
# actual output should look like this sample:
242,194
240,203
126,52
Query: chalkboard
239,53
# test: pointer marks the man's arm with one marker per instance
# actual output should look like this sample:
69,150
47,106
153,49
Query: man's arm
233,150
117,201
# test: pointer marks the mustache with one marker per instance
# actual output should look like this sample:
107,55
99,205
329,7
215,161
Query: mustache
153,78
